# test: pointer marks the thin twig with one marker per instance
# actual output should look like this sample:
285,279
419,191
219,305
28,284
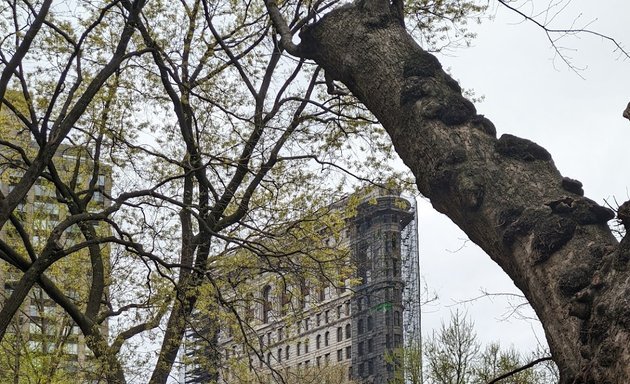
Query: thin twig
565,31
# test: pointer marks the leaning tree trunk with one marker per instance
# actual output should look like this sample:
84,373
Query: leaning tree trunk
505,193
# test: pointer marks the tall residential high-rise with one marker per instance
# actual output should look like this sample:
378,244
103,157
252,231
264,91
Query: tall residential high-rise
334,334
43,341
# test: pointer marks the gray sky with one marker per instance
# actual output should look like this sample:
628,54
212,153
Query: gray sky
532,95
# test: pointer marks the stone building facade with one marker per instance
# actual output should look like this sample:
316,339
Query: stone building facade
344,333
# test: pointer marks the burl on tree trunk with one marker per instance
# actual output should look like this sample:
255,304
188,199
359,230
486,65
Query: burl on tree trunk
505,193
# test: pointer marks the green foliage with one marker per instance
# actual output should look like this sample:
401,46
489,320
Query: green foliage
451,352
407,363
454,356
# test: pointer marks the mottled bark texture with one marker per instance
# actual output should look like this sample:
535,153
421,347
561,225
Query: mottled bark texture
505,193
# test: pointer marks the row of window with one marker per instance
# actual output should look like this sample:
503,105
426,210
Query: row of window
326,357
385,296
266,306
50,347
370,347
303,347
325,317
363,348
368,322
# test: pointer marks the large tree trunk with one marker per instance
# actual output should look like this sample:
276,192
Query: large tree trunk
505,193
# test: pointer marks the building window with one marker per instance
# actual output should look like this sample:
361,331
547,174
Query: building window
298,347
280,334
339,334
326,315
327,358
304,293
397,318
284,300
287,352
361,348
318,361
318,341
321,293
326,338
360,326
306,346
266,304
318,319
249,307
348,352
370,367
370,345
339,312
348,331
339,354
347,308
279,354
71,348
370,323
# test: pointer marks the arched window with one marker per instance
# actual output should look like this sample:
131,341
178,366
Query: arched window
287,352
266,303
339,334
322,293
298,348
326,338
318,341
284,300
304,294
348,331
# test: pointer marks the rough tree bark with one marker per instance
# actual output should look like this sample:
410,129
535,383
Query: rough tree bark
505,193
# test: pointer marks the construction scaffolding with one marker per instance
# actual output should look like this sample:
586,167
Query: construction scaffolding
412,297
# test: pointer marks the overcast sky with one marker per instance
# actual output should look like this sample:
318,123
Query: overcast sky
530,94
